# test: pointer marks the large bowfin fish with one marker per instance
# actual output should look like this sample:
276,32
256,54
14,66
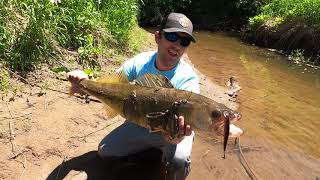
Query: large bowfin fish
152,102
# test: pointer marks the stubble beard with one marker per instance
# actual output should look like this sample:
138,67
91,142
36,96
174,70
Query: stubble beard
168,61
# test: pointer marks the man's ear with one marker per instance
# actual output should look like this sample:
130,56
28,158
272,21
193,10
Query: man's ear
157,36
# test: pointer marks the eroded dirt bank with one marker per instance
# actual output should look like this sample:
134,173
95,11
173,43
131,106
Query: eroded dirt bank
287,37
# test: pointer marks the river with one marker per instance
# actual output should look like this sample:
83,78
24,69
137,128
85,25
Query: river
279,100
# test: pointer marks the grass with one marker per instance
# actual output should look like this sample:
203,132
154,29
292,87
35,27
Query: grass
288,10
94,29
290,25
4,80
36,33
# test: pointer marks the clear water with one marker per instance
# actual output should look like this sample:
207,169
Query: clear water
279,100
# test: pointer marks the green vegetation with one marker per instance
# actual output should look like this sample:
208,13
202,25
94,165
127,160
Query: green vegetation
290,25
206,14
288,10
33,32
152,11
4,80
297,56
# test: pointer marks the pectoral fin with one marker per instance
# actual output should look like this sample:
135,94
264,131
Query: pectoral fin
111,113
119,77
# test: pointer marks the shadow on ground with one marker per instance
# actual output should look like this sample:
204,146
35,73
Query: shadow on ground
144,165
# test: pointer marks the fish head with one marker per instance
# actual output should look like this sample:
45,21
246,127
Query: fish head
222,117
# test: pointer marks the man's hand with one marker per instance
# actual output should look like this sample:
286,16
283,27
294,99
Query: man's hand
75,77
184,130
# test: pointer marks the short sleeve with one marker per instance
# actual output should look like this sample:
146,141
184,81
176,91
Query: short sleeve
191,84
129,68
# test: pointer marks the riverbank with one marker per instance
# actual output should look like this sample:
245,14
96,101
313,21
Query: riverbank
52,135
295,38
288,26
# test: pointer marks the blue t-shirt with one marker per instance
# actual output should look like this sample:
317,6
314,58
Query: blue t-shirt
181,76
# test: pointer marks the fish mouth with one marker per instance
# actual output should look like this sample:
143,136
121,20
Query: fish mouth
218,125
234,117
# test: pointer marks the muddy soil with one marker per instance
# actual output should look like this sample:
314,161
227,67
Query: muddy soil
55,136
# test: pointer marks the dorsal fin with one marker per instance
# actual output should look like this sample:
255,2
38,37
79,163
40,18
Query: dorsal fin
119,77
153,80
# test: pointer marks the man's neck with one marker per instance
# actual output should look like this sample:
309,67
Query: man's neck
162,67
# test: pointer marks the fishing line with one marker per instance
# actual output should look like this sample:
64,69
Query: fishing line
246,165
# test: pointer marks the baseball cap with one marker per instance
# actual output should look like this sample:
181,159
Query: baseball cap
177,22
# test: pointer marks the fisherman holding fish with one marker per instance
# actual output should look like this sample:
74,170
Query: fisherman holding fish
173,39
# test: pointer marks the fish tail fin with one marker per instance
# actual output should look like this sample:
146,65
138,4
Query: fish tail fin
73,90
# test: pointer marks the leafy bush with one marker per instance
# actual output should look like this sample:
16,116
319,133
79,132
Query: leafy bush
307,10
271,22
119,18
152,11
88,54
297,56
32,45
5,34
89,27
73,21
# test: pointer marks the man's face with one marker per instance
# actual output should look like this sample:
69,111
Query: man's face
169,52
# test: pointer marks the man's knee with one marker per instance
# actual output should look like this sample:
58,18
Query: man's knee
180,165
103,150
107,149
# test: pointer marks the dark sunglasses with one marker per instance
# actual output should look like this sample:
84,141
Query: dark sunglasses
174,37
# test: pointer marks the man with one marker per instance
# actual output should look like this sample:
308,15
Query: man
173,39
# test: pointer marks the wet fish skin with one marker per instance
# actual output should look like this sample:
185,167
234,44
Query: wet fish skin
134,102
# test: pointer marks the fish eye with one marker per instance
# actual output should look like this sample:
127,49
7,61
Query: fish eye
216,114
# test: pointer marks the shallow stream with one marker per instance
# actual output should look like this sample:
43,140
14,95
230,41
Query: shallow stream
279,100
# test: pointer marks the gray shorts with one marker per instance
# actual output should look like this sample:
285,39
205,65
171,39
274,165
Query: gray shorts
130,138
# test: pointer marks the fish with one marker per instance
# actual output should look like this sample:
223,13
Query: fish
151,101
